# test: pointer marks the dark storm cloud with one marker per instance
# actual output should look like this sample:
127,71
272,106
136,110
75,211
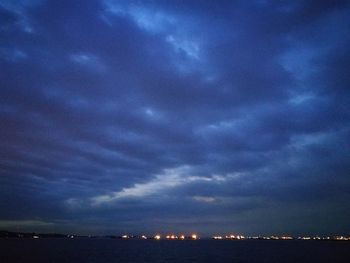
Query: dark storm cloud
174,116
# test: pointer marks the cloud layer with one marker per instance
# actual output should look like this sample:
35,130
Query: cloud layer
122,116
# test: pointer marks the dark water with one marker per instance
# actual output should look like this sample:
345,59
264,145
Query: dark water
113,250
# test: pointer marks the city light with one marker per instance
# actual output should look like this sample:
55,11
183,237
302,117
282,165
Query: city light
193,236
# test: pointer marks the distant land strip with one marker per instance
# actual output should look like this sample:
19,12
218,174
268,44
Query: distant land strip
9,234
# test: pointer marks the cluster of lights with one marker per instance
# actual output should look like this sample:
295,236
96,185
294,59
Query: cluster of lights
232,237
158,237
273,238
239,237
286,238
174,237
342,238
226,237
325,238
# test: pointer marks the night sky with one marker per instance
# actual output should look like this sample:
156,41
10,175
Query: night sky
175,116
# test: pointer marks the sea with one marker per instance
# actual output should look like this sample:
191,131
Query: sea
104,250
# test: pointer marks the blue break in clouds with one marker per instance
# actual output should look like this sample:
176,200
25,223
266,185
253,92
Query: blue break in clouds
174,116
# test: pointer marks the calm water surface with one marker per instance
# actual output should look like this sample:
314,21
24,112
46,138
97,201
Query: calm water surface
135,251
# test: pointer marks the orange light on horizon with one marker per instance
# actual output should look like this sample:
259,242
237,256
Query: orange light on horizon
194,236
157,237
182,237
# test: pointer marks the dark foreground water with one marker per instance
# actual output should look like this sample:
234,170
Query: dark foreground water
135,251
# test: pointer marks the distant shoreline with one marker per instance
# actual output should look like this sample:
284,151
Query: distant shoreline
33,235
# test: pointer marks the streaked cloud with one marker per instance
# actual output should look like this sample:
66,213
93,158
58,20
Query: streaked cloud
160,184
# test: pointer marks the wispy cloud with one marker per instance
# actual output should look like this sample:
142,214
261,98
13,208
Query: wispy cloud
204,199
171,25
170,178
154,21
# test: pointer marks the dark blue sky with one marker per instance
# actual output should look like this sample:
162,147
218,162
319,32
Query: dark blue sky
175,116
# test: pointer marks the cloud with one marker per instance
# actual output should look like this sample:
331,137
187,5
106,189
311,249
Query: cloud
160,184
177,113
205,199
147,19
